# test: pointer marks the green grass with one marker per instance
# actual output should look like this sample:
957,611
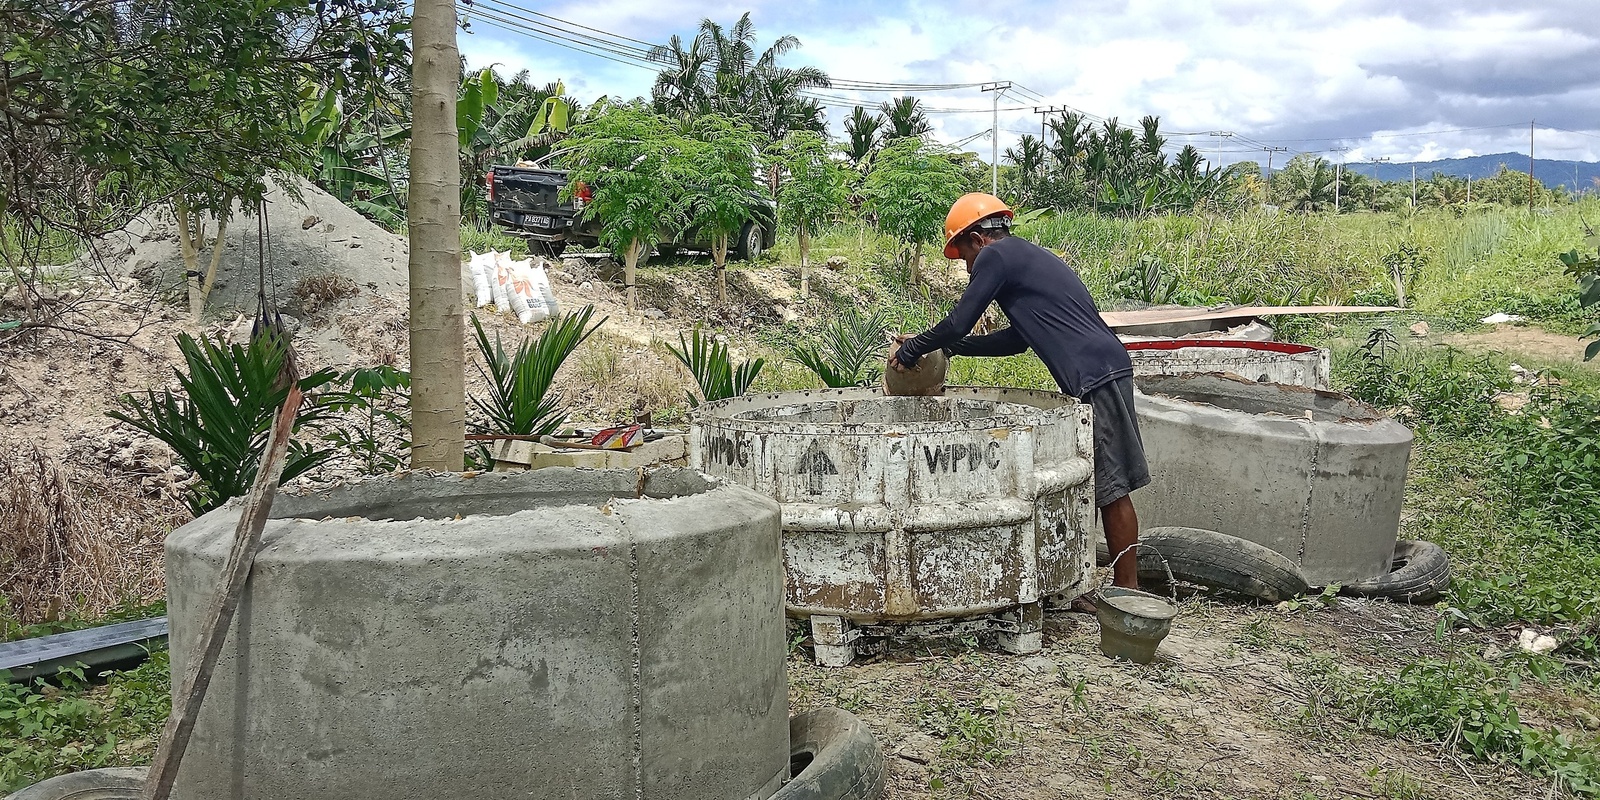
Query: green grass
47,730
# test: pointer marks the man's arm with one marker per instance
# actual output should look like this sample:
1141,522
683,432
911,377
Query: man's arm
1004,342
987,278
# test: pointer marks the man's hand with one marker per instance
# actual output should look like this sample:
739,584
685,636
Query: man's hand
895,349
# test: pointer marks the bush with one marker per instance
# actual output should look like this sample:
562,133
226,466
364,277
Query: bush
50,730
1441,388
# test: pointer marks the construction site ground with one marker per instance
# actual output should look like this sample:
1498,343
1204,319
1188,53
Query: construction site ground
1243,703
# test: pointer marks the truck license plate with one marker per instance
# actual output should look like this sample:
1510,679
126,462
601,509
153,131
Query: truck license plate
540,222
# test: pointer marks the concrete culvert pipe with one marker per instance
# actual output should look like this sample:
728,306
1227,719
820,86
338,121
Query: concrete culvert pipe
552,634
1263,362
1314,475
906,511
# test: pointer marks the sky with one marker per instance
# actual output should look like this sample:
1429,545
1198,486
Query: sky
1403,80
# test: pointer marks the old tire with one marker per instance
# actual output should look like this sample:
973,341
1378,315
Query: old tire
1216,560
116,783
833,756
1419,574
752,242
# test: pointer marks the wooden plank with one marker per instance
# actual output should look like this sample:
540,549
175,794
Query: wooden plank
1157,316
235,572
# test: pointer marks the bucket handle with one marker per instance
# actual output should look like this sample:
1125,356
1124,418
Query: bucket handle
1172,583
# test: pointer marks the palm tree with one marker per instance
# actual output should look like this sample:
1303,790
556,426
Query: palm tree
864,133
905,118
683,88
720,72
1072,137
1150,144
1305,184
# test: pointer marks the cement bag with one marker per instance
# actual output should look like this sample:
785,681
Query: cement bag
483,277
925,380
541,281
525,297
500,281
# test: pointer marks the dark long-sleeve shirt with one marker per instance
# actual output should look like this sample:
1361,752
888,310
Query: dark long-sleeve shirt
1050,311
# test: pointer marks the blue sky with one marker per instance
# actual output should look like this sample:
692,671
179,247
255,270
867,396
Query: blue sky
1402,79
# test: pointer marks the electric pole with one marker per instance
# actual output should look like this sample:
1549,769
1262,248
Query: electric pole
1413,186
999,88
1375,161
1266,180
1530,166
1044,117
1338,170
1220,136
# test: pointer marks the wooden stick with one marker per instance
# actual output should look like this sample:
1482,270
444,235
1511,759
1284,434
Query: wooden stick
246,538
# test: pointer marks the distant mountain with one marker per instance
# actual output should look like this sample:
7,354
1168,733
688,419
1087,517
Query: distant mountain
1575,175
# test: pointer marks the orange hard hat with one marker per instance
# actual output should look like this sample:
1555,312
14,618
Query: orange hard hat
968,211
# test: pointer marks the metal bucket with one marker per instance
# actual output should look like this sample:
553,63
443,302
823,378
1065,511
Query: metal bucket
1132,623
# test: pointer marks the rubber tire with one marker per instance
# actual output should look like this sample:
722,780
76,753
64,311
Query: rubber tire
550,250
846,762
751,242
115,783
1419,573
1216,560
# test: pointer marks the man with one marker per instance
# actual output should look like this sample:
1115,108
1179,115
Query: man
1050,311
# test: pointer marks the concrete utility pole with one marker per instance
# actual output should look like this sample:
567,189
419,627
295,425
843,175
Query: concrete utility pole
1220,136
1044,117
1338,170
1375,161
1266,179
1413,186
1530,166
999,88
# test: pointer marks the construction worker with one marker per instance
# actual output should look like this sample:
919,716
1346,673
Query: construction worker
1051,312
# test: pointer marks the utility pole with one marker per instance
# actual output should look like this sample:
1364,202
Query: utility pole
999,88
1044,117
1338,170
1413,186
1220,136
1375,161
1268,178
1530,166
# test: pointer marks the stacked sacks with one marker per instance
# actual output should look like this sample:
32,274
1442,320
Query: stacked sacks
522,287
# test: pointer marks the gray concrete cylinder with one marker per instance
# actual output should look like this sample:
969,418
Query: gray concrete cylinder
552,634
1314,475
902,509
1265,362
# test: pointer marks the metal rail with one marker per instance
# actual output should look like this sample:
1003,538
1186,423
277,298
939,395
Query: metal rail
27,659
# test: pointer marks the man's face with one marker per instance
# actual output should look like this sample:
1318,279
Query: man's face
967,246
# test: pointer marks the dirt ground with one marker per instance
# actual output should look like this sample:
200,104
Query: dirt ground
1233,708
1528,341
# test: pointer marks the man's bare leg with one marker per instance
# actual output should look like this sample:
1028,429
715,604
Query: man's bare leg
1122,532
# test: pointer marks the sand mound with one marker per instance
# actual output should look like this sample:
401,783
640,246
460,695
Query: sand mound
313,236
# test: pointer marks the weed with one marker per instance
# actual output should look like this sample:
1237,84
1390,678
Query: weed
48,730
973,735
314,292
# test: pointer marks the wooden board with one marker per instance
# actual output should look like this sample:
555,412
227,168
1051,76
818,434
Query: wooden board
1157,316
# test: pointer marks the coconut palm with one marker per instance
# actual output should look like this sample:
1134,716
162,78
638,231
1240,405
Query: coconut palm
905,118
720,72
1305,184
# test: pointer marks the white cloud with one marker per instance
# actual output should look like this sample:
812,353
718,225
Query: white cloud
1308,74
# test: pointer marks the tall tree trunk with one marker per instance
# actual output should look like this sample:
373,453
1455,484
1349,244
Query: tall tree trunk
197,308
630,263
805,266
438,356
719,254
188,250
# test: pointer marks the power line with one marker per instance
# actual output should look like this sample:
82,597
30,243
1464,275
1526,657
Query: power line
585,27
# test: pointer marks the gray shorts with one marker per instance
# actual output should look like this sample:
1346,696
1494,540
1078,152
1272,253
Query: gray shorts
1119,465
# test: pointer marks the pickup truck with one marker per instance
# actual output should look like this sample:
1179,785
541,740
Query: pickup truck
527,202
